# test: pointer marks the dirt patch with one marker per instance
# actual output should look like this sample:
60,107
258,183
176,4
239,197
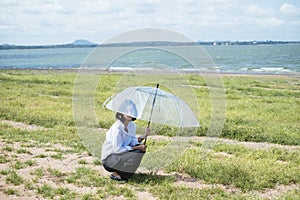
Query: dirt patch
277,191
214,140
145,195
23,126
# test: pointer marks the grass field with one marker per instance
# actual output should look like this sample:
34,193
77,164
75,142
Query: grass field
256,157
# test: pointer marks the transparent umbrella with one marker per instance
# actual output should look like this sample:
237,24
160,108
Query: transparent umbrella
153,105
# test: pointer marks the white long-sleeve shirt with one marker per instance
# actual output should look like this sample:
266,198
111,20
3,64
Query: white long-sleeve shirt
118,140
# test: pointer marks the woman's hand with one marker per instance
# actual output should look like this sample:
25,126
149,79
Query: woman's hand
141,147
147,133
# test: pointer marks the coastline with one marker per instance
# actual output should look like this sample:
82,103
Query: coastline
119,71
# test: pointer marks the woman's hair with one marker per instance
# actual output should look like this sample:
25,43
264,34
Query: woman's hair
122,109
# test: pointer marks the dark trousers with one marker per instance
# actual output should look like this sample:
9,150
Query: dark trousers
125,163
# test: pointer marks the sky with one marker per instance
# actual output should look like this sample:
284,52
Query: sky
41,22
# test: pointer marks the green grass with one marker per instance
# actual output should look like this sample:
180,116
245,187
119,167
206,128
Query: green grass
88,177
58,156
258,109
39,172
56,173
11,191
254,105
245,168
179,193
13,178
49,192
3,159
263,109
23,151
82,162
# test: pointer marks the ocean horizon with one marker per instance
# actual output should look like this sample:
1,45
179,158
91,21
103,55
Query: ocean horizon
245,59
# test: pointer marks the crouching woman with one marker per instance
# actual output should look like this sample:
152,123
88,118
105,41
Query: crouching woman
122,151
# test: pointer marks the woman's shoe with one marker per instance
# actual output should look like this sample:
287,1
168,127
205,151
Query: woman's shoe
115,178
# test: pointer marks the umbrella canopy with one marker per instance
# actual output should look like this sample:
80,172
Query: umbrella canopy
153,104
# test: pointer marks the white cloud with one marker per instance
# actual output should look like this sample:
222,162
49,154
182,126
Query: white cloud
43,7
97,20
290,9
96,7
256,11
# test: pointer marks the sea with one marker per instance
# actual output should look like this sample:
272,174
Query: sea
241,59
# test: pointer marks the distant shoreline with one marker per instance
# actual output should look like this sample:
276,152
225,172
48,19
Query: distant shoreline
146,44
105,71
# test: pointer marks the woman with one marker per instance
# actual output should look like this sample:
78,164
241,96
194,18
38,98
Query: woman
122,152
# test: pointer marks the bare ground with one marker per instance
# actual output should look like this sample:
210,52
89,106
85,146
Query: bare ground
70,161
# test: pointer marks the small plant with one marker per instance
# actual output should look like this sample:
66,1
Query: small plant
3,159
8,148
18,165
29,185
11,191
55,172
82,162
58,156
14,178
25,151
30,162
39,173
4,172
97,162
41,156
46,191
87,197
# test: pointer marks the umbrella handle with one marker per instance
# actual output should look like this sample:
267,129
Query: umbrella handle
153,102
145,139
157,86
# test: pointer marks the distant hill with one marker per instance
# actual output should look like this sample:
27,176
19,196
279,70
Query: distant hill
82,42
75,44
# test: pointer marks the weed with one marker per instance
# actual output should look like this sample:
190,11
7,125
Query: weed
41,156
29,185
14,178
30,162
18,165
97,162
56,173
25,151
46,191
39,173
8,148
82,162
3,159
58,156
11,191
